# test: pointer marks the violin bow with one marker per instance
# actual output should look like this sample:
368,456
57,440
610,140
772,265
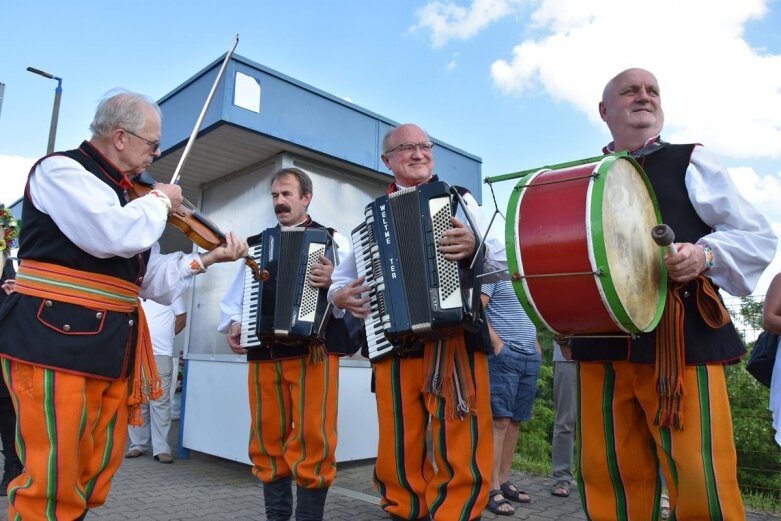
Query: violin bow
198,123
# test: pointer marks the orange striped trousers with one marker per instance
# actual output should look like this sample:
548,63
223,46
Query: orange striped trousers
293,410
462,448
620,449
70,434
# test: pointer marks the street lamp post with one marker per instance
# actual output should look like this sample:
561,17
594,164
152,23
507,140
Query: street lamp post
55,109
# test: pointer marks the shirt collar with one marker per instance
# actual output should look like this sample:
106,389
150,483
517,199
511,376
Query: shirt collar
651,145
395,187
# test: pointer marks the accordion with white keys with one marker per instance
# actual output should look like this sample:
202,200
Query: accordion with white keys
414,290
283,307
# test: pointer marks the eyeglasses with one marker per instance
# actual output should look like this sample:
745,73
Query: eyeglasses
154,144
424,146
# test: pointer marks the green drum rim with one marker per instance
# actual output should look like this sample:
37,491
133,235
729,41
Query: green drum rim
597,245
511,231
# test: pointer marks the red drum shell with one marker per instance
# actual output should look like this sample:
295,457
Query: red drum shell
563,227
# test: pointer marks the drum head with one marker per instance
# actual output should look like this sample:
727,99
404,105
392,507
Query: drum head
633,276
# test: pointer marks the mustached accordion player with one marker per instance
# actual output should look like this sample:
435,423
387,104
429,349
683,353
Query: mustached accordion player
282,315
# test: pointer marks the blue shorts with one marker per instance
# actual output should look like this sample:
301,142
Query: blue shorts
513,383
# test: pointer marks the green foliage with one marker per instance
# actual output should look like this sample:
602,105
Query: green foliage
759,465
534,441
751,311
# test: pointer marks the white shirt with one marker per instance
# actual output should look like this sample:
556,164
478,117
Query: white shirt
161,320
88,212
494,259
743,242
231,304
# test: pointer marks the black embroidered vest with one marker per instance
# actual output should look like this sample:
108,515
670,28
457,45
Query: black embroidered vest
64,336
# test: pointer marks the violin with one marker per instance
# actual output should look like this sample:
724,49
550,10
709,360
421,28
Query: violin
189,221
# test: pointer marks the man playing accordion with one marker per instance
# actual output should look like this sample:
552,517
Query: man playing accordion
459,409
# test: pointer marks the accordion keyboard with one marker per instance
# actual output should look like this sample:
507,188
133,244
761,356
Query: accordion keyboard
249,313
367,261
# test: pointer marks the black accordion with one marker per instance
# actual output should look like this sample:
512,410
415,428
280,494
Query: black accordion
414,291
283,307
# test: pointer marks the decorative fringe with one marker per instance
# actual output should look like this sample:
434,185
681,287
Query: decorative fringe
317,353
145,384
448,375
671,347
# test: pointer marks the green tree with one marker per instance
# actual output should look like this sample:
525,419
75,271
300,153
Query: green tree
751,311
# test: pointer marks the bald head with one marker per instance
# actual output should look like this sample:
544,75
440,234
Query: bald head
632,108
409,167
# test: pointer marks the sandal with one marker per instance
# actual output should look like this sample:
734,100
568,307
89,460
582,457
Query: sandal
512,493
495,505
561,489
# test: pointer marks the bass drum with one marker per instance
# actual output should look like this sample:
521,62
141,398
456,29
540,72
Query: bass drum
580,250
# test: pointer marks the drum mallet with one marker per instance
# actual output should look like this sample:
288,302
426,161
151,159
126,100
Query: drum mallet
663,236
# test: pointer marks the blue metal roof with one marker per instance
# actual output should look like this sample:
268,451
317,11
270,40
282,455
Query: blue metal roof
304,116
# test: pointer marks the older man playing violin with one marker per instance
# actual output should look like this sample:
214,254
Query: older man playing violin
73,340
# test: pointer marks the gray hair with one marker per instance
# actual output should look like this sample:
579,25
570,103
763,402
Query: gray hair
121,109
304,181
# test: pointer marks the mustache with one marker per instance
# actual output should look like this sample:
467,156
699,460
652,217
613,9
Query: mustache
281,208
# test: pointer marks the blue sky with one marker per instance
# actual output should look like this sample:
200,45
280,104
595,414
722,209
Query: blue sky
515,82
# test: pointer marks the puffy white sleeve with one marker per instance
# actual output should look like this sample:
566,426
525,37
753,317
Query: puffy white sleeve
742,240
88,212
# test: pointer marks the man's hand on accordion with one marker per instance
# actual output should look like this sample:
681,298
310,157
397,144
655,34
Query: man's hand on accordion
458,242
350,299
234,339
320,276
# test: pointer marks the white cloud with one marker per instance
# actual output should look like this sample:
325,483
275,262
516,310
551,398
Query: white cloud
13,172
447,20
716,89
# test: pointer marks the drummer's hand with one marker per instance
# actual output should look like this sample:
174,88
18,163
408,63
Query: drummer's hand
349,298
687,263
234,339
233,249
458,242
320,276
